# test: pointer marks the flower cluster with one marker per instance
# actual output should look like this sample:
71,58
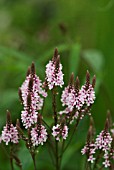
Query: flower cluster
60,131
78,100
103,143
31,92
9,133
38,133
89,149
54,75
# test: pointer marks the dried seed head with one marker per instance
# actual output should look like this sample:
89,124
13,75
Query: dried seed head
8,119
94,81
90,134
20,95
18,123
39,120
109,118
92,124
28,100
87,79
57,62
29,135
28,71
63,122
106,125
55,54
63,28
30,86
77,84
71,81
33,71
91,121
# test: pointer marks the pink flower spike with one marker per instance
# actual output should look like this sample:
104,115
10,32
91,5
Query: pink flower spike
10,134
38,135
54,75
31,95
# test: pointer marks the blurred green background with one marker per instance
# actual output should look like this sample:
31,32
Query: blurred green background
83,31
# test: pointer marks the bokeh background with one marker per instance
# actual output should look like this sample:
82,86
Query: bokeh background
83,31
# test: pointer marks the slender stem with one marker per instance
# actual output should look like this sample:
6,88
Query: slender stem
11,163
5,151
46,125
11,159
34,162
88,166
97,159
72,135
54,105
57,158
63,143
101,167
43,107
50,153
55,122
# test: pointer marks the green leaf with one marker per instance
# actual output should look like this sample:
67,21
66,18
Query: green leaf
70,151
94,58
6,52
74,58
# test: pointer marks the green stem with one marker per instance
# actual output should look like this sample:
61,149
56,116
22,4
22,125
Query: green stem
11,159
62,149
71,135
54,105
11,163
55,122
46,125
97,159
57,158
34,162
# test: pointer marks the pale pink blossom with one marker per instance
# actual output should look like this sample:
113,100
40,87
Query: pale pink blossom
106,163
36,91
89,150
32,98
72,99
60,132
88,94
68,98
38,135
54,76
28,119
10,134
103,141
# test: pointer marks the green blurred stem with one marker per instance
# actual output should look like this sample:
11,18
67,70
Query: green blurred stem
88,166
46,125
62,149
97,159
71,137
11,163
57,158
11,158
34,161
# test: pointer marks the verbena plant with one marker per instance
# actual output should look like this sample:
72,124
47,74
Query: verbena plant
77,103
